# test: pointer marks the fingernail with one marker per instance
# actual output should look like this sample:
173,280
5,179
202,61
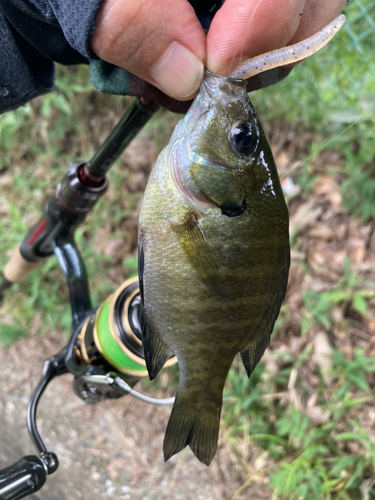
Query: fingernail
178,72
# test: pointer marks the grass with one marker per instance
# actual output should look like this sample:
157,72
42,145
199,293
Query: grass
305,460
267,418
298,431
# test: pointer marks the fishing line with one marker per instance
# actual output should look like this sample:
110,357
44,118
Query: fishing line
241,43
327,143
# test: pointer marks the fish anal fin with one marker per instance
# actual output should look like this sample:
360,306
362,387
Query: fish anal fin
193,426
156,352
253,354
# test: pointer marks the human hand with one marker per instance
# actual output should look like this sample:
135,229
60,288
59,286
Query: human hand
163,42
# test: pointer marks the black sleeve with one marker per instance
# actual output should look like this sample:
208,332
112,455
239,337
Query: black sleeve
36,33
76,18
24,74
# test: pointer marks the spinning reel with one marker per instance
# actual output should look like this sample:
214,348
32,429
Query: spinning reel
109,341
105,356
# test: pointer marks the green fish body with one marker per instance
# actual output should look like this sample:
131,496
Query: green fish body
214,256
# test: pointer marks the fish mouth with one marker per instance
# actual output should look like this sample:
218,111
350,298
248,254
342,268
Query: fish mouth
236,82
233,209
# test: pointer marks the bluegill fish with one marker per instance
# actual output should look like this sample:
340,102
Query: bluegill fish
213,255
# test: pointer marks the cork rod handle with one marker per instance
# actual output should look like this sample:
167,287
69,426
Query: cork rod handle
17,269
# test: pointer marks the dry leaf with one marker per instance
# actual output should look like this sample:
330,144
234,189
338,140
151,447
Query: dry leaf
323,356
325,184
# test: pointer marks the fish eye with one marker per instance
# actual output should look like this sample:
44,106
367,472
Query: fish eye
243,138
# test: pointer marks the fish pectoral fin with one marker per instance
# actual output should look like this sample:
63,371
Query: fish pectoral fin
156,352
200,254
253,354
193,426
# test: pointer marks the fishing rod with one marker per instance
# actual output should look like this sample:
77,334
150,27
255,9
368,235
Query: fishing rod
75,196
104,353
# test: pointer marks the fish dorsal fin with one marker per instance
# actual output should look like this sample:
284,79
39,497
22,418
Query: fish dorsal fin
255,350
155,349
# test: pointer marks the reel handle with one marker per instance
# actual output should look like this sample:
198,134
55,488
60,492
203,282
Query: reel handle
23,478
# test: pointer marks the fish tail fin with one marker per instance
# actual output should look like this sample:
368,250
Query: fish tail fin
194,426
253,354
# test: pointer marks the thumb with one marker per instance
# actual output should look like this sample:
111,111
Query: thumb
161,42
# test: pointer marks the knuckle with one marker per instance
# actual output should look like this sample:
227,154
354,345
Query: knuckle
120,27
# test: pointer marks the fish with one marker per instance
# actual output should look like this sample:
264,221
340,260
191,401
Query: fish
214,255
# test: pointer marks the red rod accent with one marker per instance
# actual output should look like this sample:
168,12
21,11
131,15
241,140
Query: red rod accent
67,207
149,104
85,177
39,230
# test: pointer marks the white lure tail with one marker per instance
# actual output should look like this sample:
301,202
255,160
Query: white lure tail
288,55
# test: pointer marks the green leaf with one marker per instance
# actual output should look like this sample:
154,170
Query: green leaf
359,303
349,436
343,463
337,296
131,262
360,381
328,485
9,334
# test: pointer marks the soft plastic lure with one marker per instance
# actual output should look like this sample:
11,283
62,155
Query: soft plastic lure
288,55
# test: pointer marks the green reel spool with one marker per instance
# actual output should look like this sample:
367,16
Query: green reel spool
113,333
